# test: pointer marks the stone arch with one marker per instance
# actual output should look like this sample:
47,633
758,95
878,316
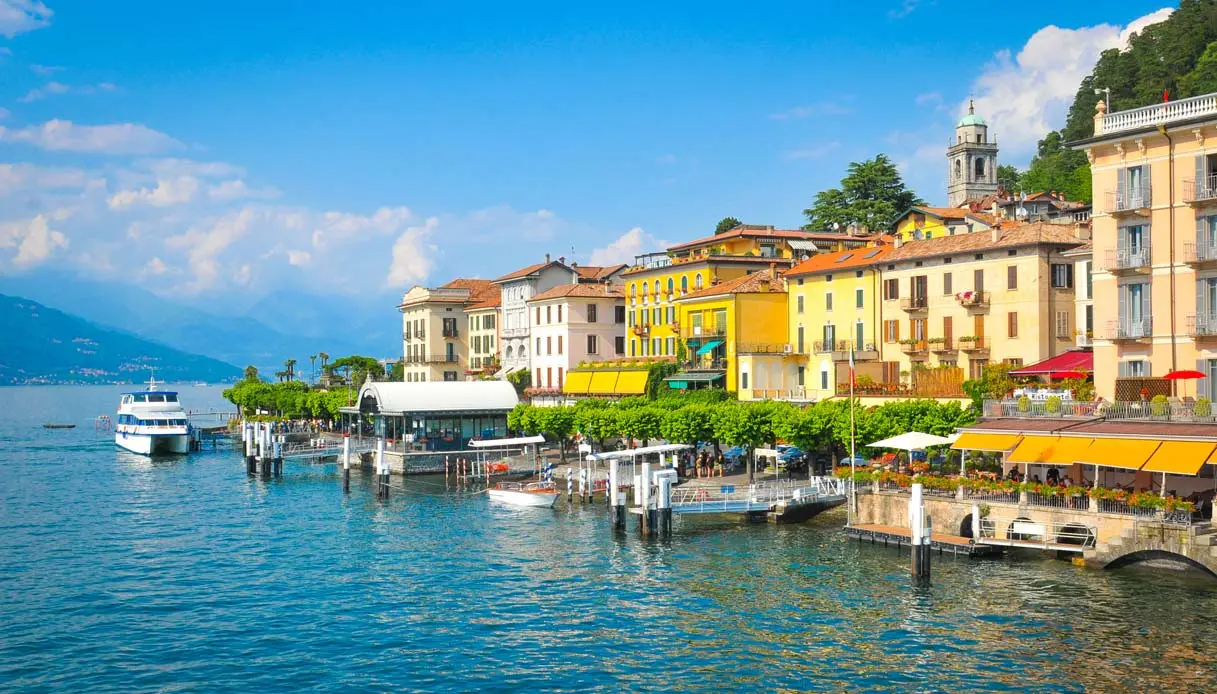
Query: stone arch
958,168
1159,555
965,526
980,168
523,353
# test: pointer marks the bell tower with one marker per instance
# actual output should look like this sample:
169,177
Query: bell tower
972,160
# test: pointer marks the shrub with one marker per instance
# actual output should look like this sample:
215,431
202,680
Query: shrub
1157,405
1203,407
1052,405
1024,404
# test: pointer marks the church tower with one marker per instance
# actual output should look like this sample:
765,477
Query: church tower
972,159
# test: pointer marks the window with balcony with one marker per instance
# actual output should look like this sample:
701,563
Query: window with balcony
859,335
1132,188
449,327
1133,310
1132,246
830,336
978,281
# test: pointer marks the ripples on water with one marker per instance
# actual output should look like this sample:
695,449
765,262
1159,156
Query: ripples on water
119,573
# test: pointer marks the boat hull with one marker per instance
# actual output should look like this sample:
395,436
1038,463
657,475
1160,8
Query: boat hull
519,498
147,444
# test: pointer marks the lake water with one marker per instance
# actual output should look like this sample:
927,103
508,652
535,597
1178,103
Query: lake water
121,573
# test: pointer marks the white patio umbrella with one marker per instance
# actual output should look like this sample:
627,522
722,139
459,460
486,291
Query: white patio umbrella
913,441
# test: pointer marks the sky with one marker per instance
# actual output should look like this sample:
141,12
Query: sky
219,148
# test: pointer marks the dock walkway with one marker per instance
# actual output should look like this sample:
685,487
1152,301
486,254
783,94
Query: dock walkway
901,537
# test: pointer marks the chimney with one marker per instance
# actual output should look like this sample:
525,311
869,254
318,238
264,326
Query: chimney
547,257
899,241
562,259
574,263
996,209
996,231
773,268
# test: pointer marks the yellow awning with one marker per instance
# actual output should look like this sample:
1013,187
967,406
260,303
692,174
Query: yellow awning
1180,457
632,383
577,383
603,382
1031,448
1129,454
985,442
1065,451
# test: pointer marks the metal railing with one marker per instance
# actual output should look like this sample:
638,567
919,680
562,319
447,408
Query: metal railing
974,344
730,499
995,496
1200,252
1131,199
1200,191
914,303
1032,409
1154,114
1202,325
1074,503
1124,509
1128,258
1024,532
1171,411
705,331
451,332
973,299
763,348
1130,329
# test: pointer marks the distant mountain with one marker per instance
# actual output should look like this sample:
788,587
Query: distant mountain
43,345
242,338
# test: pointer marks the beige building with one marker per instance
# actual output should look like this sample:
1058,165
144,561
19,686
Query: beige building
1002,295
435,340
483,325
571,324
1155,242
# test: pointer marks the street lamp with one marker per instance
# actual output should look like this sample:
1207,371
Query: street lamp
1107,92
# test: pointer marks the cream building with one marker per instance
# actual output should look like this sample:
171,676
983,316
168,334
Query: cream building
483,325
1154,175
571,324
435,343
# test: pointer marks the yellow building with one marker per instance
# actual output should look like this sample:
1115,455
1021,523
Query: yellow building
923,223
1154,175
657,280
833,309
735,337
483,327
435,336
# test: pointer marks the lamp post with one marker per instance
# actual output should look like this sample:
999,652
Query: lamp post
1106,91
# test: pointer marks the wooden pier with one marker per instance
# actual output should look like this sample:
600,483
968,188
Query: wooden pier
901,538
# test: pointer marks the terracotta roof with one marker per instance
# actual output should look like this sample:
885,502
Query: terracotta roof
493,302
1083,249
526,271
1032,234
942,212
708,261
479,290
596,272
829,262
584,291
757,283
767,232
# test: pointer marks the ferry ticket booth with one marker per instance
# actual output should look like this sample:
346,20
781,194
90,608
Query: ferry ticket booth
432,415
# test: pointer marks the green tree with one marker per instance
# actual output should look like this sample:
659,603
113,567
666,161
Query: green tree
398,371
726,224
251,374
597,423
521,380
558,423
872,194
690,424
358,368
641,423
289,369
1203,78
1009,178
995,382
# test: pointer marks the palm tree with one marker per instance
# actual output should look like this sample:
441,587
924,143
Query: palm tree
251,373
290,365
325,357
312,359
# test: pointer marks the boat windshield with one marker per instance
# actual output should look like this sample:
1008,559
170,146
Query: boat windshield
140,398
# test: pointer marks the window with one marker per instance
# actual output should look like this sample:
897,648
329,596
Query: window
743,380
549,318
449,327
669,346
829,336
891,331
891,289
488,321
657,316
1062,275
859,298
800,344
1134,368
631,315
671,314
1062,325
1133,310
559,376
619,344
633,348
549,345
858,274
801,375
1011,277
697,281
823,380
559,313
618,314
684,284
946,284
539,381
538,315
559,344
978,281
828,301
1012,324
671,285
591,313
979,256
449,375
1013,251
549,376
538,349
799,304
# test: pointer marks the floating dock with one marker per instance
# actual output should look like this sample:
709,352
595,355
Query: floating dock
900,538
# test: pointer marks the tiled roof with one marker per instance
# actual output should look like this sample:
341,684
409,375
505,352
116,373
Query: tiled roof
1086,247
844,260
757,283
493,302
1011,236
479,290
708,261
766,232
943,212
583,291
530,270
596,272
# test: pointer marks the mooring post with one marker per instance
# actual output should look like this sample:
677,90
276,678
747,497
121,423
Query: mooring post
920,541
277,460
665,506
346,463
616,503
445,470
382,468
645,521
570,484
975,523
248,438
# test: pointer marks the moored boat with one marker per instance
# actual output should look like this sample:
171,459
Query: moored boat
541,494
58,426
152,422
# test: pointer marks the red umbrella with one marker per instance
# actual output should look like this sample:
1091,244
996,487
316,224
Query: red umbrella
1068,374
1184,375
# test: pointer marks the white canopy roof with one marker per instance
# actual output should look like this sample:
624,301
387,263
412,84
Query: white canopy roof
507,443
441,396
912,441
645,450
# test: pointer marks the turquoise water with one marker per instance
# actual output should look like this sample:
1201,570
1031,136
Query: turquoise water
120,573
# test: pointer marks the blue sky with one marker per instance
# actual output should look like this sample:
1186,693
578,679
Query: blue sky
365,147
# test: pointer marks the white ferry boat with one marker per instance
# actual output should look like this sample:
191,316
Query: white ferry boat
152,422
525,494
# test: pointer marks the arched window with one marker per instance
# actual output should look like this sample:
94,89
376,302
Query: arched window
656,292
697,281
958,169
523,352
507,352
980,169
633,289
671,285
684,284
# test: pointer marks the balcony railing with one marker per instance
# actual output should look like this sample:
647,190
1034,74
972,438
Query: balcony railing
764,348
514,332
973,300
702,331
917,348
1200,252
1156,114
1133,199
913,303
451,332
867,351
941,345
441,359
797,393
1202,325
1129,329
974,344
1174,410
824,346
1204,190
705,365
1124,259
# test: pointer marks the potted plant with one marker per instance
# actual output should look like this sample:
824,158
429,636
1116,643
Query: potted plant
1024,404
1052,405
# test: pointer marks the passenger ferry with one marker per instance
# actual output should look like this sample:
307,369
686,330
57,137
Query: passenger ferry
152,422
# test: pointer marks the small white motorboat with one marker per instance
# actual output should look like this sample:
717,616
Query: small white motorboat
525,494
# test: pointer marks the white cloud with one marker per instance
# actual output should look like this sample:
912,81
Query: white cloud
170,167
823,108
34,240
55,88
155,266
202,244
24,176
338,225
20,16
812,152
65,136
45,70
412,256
237,190
299,257
906,8
1026,95
623,249
928,99
175,191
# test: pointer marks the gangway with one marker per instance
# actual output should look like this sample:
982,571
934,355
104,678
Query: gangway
1028,534
754,498
327,447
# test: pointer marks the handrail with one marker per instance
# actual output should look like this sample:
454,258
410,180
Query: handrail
1159,113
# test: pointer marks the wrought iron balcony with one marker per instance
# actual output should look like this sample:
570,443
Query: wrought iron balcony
1200,253
973,300
974,344
1200,191
1202,325
914,303
1127,329
1128,260
451,332
1133,200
